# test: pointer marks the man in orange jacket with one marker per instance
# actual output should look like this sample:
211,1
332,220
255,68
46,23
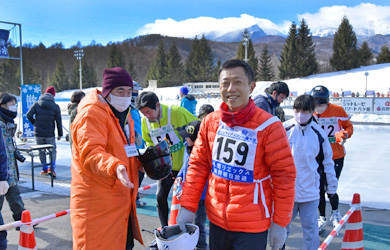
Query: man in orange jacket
335,121
243,153
105,167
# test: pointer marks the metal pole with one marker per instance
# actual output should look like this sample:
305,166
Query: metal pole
246,52
79,56
366,84
21,61
81,86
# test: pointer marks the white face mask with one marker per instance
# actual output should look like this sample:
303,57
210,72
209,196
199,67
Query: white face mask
302,118
12,108
320,109
120,103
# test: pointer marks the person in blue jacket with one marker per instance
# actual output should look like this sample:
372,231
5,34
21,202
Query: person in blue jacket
187,101
189,133
3,187
137,127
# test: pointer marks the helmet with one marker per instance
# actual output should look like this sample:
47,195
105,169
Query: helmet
172,238
320,94
157,161
136,86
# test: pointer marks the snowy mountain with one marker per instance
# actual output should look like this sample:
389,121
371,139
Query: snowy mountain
325,32
236,36
257,32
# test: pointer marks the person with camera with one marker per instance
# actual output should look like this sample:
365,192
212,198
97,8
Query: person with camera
3,187
8,113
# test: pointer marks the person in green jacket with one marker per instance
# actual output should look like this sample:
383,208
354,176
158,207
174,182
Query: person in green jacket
159,123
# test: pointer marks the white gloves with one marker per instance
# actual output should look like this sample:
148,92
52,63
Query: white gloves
3,187
277,236
184,216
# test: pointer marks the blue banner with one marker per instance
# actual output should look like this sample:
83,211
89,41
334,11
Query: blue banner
4,34
29,95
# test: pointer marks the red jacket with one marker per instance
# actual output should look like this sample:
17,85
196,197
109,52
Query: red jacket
231,204
100,205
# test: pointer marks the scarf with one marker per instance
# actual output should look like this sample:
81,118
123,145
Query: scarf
7,115
237,118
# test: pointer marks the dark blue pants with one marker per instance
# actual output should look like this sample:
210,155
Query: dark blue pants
200,221
221,239
3,235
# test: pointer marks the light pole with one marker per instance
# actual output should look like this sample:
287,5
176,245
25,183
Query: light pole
79,56
366,74
245,42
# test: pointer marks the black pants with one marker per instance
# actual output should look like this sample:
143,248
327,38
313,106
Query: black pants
333,200
130,236
221,239
163,188
140,178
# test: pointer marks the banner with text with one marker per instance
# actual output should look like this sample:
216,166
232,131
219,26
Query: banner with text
29,95
358,105
382,105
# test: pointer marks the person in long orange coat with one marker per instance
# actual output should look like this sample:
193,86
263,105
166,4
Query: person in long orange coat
243,154
105,167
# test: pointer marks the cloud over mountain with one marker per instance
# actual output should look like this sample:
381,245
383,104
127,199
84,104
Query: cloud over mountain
367,19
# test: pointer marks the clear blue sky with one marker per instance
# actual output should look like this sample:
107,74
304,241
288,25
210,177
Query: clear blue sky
69,21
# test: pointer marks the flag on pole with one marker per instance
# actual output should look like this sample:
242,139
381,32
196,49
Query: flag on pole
4,34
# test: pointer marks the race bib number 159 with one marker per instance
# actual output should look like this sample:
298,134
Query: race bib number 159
234,153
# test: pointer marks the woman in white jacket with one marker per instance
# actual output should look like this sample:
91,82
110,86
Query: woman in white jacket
312,153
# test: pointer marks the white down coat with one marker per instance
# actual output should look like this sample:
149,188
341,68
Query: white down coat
305,147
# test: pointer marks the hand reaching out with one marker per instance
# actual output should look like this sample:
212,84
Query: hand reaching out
122,175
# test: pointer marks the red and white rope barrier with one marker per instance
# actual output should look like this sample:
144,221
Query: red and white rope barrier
147,187
56,215
34,221
337,228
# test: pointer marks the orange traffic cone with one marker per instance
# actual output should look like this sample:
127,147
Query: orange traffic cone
353,236
26,236
175,206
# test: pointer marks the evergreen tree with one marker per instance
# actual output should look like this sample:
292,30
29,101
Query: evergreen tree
289,56
74,82
200,62
306,63
344,47
365,55
175,68
89,76
30,76
158,68
116,58
192,64
251,54
266,71
384,55
131,69
60,79
216,71
8,80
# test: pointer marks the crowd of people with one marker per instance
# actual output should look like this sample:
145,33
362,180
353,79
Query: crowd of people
242,166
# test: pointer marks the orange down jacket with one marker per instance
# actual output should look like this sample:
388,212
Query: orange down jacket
230,204
344,123
100,204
